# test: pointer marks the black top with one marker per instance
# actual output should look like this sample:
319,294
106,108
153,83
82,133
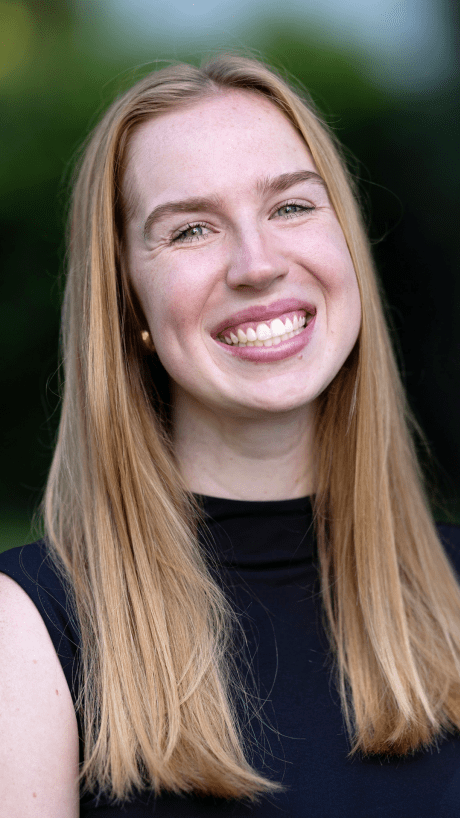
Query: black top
267,564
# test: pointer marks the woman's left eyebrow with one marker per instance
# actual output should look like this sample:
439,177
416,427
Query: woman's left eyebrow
276,184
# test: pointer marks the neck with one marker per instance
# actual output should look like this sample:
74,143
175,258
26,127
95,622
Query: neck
245,458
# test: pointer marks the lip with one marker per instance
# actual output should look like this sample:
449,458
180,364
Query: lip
286,349
263,313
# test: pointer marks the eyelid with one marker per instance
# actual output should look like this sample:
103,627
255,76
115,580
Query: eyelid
176,233
293,202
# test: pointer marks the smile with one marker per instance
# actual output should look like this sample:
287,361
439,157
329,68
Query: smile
266,334
287,345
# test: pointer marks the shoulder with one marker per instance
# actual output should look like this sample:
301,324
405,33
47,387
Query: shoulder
39,746
32,569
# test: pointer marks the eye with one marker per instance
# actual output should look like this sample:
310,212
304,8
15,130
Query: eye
193,232
292,209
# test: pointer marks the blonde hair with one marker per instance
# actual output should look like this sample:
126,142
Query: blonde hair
159,684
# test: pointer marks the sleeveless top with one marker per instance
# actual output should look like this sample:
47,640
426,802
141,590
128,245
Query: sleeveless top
267,565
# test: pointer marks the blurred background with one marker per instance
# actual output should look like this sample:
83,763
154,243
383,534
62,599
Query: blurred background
385,75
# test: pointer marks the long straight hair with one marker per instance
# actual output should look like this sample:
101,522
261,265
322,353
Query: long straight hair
159,686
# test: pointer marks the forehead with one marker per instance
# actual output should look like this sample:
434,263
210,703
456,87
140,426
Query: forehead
207,143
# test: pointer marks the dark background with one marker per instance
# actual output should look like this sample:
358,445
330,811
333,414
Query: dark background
60,68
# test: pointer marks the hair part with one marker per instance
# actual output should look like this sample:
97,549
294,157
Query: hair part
159,684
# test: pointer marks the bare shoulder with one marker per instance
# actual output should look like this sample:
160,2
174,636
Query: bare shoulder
38,727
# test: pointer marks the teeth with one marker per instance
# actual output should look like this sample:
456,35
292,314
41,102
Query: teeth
277,327
268,341
265,335
263,332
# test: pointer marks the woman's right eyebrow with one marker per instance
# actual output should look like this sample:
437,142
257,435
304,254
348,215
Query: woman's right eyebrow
264,186
181,206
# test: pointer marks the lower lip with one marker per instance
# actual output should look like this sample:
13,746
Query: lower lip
286,349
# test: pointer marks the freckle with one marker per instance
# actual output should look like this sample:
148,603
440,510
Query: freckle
34,794
57,692
34,661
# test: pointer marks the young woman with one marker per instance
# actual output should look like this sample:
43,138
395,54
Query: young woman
242,605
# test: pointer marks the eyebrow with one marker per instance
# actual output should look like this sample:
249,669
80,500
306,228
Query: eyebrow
264,186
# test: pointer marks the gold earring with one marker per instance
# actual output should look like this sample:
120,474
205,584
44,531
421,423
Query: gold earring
147,339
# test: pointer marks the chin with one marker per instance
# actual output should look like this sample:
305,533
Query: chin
276,405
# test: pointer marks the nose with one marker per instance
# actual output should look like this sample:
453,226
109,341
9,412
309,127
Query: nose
255,263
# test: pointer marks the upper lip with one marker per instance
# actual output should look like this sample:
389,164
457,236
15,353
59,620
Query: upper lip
263,313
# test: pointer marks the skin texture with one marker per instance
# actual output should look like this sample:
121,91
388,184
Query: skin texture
38,726
242,429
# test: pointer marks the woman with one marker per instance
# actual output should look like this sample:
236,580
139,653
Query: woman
243,605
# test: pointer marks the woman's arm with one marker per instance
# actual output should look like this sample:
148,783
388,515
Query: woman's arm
38,727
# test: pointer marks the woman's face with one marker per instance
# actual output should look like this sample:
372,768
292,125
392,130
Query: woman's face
237,257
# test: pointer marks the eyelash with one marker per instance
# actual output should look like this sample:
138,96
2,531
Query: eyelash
178,240
304,209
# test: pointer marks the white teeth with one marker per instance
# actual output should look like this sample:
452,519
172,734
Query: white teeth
277,327
264,335
263,332
268,342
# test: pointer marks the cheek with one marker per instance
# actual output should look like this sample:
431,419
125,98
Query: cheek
334,270
172,306
346,315
178,294
324,252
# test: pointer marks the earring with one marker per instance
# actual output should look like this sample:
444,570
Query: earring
147,339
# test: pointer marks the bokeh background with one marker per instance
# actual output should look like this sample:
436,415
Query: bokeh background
386,76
